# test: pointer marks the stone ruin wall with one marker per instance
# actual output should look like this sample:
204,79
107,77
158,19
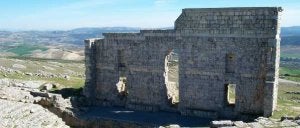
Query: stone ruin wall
204,40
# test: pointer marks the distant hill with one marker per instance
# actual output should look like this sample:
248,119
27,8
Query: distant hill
72,37
81,34
290,35
69,44
290,31
66,45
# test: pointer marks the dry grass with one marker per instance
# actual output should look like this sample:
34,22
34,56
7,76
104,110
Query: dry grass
288,103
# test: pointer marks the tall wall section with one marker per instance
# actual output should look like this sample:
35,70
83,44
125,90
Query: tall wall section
216,47
251,35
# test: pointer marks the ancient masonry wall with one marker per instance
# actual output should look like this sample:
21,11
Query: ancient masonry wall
216,47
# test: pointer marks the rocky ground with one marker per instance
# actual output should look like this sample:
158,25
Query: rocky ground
261,122
27,115
28,104
17,108
20,82
27,99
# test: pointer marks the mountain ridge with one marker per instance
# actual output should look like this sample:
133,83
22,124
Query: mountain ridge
289,35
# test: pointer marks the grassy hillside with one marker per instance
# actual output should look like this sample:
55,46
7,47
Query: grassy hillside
68,74
288,103
25,49
290,65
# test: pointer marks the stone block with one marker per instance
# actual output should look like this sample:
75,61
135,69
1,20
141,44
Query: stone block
221,123
240,124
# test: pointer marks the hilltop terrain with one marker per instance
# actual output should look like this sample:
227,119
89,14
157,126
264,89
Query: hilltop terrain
66,45
52,61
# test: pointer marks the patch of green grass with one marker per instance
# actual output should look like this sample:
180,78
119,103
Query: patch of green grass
285,70
287,104
24,49
292,78
73,82
42,59
71,68
290,73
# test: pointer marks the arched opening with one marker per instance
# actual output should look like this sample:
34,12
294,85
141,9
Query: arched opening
172,77
121,84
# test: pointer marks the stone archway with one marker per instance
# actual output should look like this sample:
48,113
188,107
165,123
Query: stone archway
172,77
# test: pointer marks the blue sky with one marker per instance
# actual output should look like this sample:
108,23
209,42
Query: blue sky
69,14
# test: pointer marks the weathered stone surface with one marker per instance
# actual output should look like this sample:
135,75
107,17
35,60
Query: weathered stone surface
255,125
222,123
215,47
170,126
40,94
288,123
266,122
262,122
287,118
18,66
240,124
297,121
47,86
26,115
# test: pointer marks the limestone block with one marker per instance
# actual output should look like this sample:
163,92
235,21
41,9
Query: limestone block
221,123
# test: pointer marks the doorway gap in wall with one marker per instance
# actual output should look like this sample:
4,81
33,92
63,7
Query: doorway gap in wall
172,77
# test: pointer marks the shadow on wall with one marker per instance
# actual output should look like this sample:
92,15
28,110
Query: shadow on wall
68,92
82,116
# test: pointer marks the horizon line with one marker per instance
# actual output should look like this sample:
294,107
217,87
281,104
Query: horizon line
70,29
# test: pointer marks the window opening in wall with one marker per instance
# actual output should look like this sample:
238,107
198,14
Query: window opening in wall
172,77
121,85
230,63
230,93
